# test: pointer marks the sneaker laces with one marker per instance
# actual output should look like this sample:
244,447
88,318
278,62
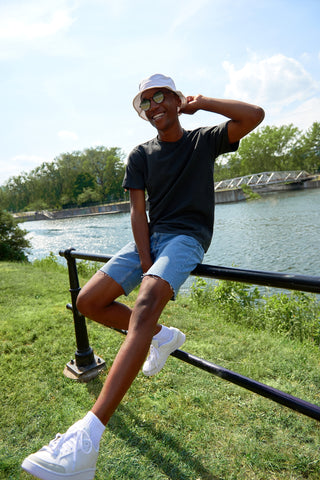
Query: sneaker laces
71,441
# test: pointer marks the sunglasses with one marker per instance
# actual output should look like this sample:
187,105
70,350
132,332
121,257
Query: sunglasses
145,104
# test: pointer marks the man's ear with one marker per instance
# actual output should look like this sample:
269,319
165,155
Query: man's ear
178,103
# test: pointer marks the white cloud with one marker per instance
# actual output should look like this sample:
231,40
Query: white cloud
303,116
34,20
67,135
277,81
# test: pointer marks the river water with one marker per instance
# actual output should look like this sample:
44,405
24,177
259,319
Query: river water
279,232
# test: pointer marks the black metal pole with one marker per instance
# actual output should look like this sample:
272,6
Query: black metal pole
289,401
85,360
302,283
306,408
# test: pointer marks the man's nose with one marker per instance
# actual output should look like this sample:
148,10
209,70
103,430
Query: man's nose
153,104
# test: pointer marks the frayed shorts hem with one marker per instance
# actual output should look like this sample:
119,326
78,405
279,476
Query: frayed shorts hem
174,257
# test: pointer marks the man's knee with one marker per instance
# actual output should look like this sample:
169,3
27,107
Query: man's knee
84,303
97,294
153,295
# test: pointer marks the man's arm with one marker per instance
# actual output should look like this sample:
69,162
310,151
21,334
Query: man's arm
140,228
244,116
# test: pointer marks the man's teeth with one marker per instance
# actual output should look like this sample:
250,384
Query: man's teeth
158,116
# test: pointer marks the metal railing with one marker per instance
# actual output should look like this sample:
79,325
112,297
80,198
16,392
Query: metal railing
87,365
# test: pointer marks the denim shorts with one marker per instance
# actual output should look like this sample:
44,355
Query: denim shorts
174,257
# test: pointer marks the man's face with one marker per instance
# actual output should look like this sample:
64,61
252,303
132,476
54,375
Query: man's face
161,115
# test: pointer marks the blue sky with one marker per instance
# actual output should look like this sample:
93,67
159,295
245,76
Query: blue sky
69,69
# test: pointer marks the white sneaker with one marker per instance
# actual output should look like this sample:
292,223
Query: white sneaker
158,354
70,456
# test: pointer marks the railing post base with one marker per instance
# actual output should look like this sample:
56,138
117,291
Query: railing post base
85,373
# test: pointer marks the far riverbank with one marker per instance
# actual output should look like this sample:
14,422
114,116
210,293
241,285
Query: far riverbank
221,197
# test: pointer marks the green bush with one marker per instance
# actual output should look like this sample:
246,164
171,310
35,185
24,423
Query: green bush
250,195
233,299
295,314
13,244
85,268
88,268
234,294
49,263
201,292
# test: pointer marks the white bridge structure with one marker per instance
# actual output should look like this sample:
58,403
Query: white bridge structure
265,178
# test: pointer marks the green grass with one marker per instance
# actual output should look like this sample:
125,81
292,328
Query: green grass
181,424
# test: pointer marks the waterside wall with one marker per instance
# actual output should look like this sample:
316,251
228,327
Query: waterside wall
121,207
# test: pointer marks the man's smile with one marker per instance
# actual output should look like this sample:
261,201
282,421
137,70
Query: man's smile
158,116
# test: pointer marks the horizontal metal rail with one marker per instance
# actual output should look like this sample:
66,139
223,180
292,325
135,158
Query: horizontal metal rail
301,406
303,283
272,279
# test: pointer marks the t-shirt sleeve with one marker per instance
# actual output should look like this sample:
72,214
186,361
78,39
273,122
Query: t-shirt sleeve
220,141
134,176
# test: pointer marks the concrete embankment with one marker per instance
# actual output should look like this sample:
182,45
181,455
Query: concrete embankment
286,187
221,196
121,207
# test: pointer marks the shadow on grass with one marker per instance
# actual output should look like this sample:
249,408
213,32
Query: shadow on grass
152,444
184,466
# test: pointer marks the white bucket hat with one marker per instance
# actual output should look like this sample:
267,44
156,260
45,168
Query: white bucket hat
156,81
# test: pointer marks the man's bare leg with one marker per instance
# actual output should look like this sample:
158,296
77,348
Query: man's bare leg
96,301
154,294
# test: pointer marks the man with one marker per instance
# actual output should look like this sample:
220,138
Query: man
176,170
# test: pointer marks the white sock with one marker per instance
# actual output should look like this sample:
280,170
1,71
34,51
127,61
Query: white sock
95,426
163,336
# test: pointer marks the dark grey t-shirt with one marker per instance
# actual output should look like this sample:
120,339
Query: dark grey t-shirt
178,177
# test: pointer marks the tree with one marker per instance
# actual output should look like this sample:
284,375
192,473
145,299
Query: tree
309,151
70,165
83,181
107,167
17,193
114,172
12,239
88,196
264,150
44,184
59,184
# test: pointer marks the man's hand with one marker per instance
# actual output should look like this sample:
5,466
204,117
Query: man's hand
193,104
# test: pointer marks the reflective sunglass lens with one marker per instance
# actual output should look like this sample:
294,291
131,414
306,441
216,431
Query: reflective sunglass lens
158,97
145,104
